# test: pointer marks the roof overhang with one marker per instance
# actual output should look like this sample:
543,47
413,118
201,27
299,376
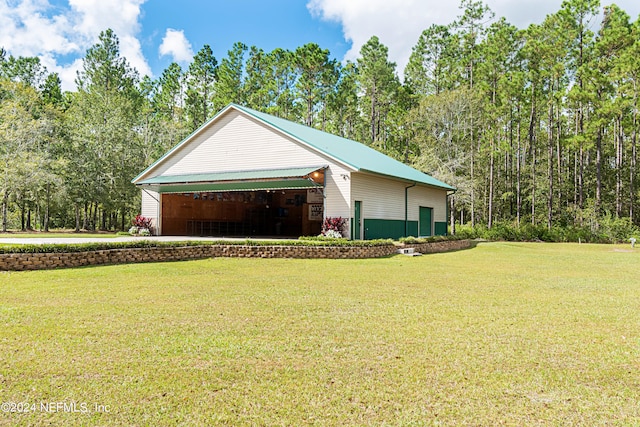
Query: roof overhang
247,180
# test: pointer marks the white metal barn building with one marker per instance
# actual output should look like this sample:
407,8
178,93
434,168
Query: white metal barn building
246,173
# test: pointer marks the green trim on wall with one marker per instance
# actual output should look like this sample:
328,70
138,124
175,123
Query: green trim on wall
237,186
351,232
440,229
388,228
412,228
425,221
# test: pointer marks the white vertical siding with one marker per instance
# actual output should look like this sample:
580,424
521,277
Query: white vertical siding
383,198
430,198
151,206
337,193
238,142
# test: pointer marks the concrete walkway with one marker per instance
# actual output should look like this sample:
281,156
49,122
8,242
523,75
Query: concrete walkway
71,240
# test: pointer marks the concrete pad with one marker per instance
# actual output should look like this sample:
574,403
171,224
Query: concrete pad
74,240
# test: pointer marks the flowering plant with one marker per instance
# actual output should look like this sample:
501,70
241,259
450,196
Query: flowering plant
333,234
141,222
141,226
334,227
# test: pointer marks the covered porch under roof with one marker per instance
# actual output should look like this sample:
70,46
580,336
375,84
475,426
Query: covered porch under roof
251,203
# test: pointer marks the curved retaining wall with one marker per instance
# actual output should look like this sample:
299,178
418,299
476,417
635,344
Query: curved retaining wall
44,261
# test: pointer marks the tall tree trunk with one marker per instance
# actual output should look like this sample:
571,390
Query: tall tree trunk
452,206
491,183
47,208
309,118
103,225
560,191
473,191
519,160
533,187
532,150
575,182
94,220
23,224
373,115
5,204
550,142
472,176
580,130
599,171
77,208
632,167
38,215
581,179
619,162
85,218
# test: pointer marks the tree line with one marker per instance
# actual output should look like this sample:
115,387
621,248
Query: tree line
533,126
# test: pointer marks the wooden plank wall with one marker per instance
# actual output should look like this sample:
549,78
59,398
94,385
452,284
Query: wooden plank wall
238,213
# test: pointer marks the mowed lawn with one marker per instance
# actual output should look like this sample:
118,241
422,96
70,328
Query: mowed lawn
501,334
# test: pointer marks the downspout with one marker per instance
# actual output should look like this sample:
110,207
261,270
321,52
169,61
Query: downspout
406,209
324,197
449,213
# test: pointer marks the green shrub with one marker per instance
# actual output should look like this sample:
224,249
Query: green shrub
321,238
411,240
466,231
617,230
99,246
610,230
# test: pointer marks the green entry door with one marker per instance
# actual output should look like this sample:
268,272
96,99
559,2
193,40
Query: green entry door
357,220
426,215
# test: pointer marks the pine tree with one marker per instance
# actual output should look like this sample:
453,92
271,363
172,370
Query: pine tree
378,82
317,75
201,78
102,120
229,85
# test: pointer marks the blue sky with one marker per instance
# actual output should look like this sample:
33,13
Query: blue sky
153,33
265,24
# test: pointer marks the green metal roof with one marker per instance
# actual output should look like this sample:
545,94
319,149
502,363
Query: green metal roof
232,176
347,151
286,184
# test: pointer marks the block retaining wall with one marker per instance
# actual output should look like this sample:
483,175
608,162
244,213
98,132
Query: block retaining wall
444,246
44,261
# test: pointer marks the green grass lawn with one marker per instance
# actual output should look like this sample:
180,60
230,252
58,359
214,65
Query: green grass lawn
502,334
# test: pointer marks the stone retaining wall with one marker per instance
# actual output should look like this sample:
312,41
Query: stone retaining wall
43,261
444,246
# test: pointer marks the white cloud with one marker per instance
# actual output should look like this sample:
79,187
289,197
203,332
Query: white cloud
66,72
176,45
26,30
398,24
35,28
